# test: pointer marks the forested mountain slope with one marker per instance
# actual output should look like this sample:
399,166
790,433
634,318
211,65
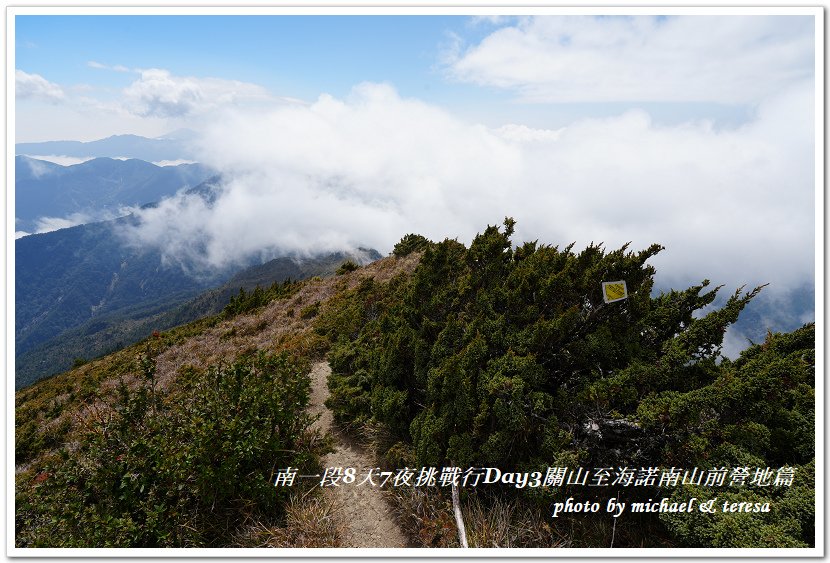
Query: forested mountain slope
117,327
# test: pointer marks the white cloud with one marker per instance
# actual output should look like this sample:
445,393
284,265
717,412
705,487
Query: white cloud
101,66
156,101
735,206
60,159
37,167
20,234
491,20
735,342
173,162
332,176
34,86
725,59
523,133
159,93
49,224
82,120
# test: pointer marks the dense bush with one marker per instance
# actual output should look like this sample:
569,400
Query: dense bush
409,244
758,411
346,267
500,356
174,471
246,301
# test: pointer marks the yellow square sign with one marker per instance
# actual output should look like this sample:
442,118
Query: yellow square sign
614,291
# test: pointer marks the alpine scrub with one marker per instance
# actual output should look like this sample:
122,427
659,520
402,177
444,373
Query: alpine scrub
175,471
508,357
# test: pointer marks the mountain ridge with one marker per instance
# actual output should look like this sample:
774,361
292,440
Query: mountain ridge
114,329
95,188
174,147
420,337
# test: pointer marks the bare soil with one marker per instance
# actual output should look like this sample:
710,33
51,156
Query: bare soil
366,518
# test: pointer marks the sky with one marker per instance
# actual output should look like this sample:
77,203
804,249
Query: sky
261,58
693,131
544,71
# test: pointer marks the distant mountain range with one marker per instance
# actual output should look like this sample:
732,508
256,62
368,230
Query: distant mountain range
111,330
96,188
782,312
81,292
66,277
175,146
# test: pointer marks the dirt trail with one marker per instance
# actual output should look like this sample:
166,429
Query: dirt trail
367,519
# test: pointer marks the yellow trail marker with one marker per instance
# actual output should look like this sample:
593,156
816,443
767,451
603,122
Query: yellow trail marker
614,291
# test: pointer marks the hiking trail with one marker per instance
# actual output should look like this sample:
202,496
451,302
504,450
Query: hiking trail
367,520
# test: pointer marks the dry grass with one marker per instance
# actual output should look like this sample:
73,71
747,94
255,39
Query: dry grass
426,516
494,521
276,326
489,526
500,522
629,531
310,522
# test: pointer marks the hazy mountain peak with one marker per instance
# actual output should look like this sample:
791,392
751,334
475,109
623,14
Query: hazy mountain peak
171,147
182,134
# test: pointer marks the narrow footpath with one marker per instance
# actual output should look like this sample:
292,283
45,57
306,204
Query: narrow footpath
367,520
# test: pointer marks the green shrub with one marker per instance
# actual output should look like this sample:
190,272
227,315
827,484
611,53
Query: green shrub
246,301
505,356
310,311
179,470
346,267
409,244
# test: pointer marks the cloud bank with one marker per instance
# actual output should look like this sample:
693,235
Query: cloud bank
156,97
735,206
60,159
34,86
159,93
49,224
727,60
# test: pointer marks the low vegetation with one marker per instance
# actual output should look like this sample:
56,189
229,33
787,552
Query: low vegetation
247,301
492,355
174,469
346,267
174,441
508,357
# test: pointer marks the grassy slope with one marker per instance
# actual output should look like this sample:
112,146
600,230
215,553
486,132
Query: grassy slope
48,414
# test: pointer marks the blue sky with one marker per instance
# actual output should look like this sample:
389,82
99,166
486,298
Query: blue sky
293,56
303,57
694,131
297,56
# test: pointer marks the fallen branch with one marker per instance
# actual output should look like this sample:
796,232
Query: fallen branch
459,521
